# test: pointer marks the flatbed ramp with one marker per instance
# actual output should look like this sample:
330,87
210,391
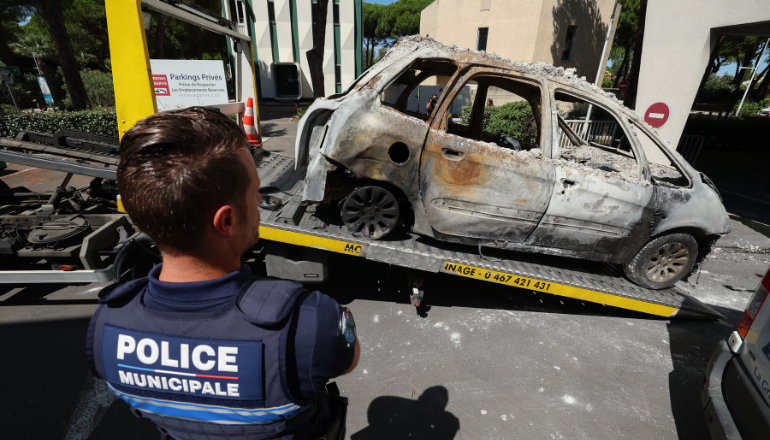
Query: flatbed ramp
294,223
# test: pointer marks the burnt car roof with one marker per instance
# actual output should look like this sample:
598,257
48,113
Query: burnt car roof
416,47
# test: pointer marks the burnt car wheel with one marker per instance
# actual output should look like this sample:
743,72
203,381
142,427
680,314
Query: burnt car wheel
663,261
370,212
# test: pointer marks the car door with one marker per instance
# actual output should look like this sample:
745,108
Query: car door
480,190
600,202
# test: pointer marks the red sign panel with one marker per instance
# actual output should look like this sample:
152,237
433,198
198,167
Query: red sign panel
657,115
160,83
623,85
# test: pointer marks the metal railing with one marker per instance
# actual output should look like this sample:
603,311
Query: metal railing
601,132
689,147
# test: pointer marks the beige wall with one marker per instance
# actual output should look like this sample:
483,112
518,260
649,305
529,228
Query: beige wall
524,30
592,18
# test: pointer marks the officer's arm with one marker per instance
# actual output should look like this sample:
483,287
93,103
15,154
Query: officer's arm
356,356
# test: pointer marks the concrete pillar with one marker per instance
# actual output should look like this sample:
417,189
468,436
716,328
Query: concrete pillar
678,38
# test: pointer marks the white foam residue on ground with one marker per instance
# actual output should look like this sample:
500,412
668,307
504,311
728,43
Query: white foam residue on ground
569,400
376,318
484,412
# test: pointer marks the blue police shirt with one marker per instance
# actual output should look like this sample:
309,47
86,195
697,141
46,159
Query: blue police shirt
315,352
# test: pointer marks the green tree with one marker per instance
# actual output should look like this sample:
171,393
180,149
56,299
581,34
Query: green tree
35,47
633,76
11,13
625,37
51,13
86,25
384,24
375,33
84,58
742,50
403,17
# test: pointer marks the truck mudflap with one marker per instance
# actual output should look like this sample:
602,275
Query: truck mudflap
295,223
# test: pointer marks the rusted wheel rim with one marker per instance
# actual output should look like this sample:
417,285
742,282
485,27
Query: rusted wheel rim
667,262
371,212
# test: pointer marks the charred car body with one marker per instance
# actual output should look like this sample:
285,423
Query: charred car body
622,196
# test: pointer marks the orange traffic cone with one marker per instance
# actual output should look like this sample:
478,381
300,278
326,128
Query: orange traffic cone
248,125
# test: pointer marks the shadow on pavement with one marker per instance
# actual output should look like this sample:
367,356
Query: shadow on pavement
692,343
48,392
393,417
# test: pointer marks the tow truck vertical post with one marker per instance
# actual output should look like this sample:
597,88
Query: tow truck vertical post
131,74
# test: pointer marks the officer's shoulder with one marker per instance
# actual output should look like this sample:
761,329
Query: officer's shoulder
267,301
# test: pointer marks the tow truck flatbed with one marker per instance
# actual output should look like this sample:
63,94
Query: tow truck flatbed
296,224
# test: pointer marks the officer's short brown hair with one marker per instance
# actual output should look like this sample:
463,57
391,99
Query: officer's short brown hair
176,168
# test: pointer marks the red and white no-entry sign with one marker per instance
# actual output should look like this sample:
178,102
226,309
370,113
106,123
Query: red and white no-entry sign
657,114
623,85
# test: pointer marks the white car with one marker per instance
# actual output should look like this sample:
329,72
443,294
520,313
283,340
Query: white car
736,389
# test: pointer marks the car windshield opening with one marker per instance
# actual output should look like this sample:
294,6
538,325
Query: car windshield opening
664,170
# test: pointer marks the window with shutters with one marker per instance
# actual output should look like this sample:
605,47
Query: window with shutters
569,44
486,5
481,42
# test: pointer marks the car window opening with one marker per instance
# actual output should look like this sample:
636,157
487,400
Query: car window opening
601,144
412,92
499,111
664,171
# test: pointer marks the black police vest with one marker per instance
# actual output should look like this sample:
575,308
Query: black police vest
205,375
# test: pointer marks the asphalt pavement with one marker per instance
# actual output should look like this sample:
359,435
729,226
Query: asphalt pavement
480,361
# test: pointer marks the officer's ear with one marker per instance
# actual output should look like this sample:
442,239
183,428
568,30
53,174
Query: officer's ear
224,221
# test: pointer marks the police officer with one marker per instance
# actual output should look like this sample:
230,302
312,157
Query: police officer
201,347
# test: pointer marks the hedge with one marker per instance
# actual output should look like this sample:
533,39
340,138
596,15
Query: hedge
514,119
730,133
95,122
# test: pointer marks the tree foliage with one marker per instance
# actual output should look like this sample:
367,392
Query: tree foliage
86,27
514,119
11,13
385,24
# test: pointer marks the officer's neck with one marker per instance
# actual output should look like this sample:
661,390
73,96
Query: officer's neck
198,266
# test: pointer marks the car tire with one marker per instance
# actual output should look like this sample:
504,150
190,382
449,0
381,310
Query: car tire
370,211
663,261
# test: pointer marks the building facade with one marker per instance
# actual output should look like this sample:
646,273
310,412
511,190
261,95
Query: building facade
282,33
564,33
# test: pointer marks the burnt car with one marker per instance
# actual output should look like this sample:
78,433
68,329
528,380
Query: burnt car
610,190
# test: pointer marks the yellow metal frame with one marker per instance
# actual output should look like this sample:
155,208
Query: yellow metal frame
299,239
131,71
479,273
131,74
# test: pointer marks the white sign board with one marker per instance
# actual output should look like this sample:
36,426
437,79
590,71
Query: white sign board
187,83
